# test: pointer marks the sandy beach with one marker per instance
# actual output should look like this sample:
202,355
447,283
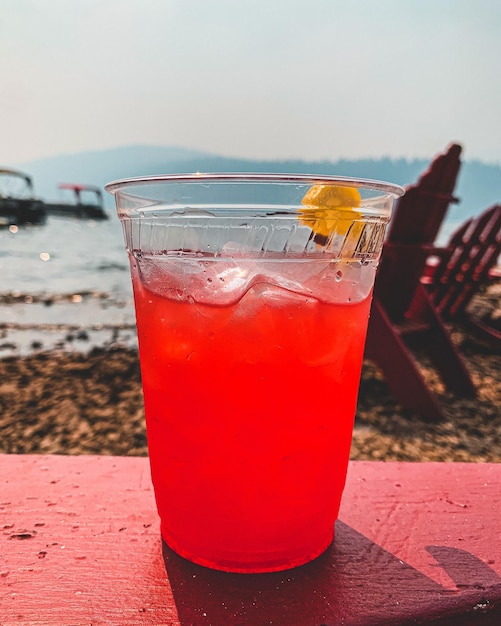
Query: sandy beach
83,396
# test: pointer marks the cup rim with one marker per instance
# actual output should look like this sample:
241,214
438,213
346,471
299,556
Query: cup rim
256,177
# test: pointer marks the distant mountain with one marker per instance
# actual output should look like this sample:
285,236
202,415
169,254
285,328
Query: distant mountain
479,184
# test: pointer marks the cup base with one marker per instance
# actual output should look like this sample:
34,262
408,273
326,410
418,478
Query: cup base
249,564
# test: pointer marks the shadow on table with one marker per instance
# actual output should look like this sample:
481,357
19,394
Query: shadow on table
354,582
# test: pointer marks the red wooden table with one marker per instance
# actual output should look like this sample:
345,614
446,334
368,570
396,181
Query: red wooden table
80,545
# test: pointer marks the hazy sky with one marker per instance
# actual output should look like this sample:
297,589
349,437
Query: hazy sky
309,79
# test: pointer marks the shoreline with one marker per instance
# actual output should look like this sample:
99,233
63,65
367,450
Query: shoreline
77,321
91,403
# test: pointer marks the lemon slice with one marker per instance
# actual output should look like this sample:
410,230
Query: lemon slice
330,210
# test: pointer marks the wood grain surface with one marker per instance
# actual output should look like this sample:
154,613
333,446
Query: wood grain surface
79,545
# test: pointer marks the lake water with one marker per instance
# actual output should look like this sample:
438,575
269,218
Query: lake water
62,276
64,256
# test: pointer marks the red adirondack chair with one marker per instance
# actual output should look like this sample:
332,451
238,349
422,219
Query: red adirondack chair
465,265
417,219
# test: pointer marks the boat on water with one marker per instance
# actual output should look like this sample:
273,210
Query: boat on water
18,205
87,204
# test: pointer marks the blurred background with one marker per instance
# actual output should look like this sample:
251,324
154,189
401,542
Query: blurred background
95,90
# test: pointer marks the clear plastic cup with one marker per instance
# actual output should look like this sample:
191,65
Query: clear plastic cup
252,296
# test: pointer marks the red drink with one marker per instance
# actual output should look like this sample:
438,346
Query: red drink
250,391
252,296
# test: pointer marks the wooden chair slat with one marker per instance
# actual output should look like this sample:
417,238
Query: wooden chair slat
417,219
